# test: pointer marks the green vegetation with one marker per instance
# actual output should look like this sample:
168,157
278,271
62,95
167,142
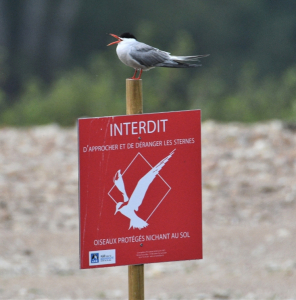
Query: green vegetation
87,93
250,75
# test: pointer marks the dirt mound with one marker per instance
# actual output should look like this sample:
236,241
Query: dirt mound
249,206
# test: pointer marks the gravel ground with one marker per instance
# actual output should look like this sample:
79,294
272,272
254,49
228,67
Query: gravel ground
249,206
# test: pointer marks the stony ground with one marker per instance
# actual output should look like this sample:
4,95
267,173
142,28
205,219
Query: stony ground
249,204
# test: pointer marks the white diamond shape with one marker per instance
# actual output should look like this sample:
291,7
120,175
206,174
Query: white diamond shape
109,193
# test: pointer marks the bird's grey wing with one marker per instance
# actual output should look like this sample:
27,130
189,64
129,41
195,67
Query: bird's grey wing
139,192
188,58
148,56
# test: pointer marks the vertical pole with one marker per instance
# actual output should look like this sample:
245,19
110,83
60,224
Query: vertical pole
134,97
134,105
136,282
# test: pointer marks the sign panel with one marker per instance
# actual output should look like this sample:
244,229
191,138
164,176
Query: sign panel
140,189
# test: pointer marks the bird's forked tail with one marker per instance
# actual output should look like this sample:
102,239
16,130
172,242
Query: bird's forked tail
137,222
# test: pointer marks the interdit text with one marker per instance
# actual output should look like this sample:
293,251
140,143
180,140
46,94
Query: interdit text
141,127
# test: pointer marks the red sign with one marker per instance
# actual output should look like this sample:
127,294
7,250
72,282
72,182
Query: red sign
140,189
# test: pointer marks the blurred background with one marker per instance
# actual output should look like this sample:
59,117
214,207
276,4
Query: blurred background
55,66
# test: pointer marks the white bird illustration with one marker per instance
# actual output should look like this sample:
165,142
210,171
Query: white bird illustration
132,204
141,56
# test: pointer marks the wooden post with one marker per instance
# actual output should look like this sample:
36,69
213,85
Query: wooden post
136,282
134,97
134,105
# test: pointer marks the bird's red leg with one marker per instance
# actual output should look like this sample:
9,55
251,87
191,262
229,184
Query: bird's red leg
134,76
140,74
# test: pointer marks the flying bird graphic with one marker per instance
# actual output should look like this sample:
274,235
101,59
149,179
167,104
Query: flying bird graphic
130,205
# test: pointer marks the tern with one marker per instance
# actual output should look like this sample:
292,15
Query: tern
132,204
141,56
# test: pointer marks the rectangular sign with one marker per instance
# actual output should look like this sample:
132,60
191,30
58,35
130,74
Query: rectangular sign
140,189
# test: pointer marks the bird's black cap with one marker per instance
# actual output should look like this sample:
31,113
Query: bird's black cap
127,35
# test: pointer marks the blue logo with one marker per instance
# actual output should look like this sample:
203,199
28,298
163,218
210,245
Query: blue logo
94,258
102,257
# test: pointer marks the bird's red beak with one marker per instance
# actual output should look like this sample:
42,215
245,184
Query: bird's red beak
116,42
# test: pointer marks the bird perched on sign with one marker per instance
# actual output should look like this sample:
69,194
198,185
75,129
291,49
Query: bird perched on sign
141,56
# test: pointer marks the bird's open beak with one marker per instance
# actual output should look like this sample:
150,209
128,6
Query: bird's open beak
116,42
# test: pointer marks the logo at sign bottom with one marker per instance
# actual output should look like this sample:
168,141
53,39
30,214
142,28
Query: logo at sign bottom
102,257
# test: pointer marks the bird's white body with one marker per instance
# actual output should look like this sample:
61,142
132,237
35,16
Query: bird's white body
123,50
143,57
129,49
